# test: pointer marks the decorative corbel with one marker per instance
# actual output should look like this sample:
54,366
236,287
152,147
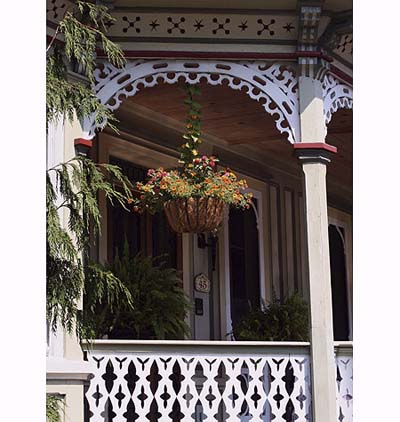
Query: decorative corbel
311,65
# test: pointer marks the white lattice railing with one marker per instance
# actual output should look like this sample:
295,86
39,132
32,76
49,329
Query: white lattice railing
199,381
344,381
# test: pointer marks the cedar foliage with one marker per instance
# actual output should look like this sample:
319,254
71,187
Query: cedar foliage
53,408
75,187
72,187
83,28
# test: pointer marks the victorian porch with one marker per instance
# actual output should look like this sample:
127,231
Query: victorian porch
282,121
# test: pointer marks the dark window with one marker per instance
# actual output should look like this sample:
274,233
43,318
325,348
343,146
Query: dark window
244,262
145,233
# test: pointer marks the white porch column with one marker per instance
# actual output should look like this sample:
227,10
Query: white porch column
66,371
313,154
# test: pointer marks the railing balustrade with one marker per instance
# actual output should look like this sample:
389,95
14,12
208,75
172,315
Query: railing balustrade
344,380
199,381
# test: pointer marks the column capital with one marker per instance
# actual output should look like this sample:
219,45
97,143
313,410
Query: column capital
82,146
314,152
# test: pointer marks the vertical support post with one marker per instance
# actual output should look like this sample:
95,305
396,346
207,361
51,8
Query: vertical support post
66,371
314,155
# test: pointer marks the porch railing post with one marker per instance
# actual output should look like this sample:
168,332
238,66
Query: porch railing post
314,155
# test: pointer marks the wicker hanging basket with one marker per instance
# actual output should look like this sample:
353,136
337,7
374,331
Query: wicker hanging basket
194,215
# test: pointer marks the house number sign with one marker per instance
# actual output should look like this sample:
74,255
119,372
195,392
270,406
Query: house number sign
202,283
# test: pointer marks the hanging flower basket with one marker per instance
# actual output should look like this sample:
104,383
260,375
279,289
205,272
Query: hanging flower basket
195,194
194,215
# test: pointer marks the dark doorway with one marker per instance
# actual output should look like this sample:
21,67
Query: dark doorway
244,262
339,283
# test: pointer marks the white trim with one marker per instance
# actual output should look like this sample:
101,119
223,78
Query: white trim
97,344
65,369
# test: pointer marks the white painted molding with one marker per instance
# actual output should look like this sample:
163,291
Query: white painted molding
97,344
273,84
336,95
65,369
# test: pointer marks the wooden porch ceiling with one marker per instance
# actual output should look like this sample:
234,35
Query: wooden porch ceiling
237,126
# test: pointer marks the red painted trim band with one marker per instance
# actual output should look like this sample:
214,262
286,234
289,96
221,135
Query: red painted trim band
315,145
84,142
342,75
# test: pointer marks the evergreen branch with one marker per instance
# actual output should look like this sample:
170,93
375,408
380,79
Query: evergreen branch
57,30
53,408
78,182
68,100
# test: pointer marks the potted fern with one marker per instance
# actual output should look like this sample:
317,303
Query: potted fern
195,194
157,307
280,320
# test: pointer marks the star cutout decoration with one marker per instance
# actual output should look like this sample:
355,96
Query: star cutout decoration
154,25
198,25
109,24
288,27
243,26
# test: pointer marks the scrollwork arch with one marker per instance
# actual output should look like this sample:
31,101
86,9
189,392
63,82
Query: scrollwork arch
336,95
262,81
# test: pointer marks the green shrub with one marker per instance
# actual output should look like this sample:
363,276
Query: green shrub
285,320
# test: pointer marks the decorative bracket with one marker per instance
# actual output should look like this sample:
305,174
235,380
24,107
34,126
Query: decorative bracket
273,84
336,95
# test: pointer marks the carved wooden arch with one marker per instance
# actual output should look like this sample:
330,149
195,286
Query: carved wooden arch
262,81
336,95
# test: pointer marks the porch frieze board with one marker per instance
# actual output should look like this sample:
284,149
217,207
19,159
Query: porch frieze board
178,24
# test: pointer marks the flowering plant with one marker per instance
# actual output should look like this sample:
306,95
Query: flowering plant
197,177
